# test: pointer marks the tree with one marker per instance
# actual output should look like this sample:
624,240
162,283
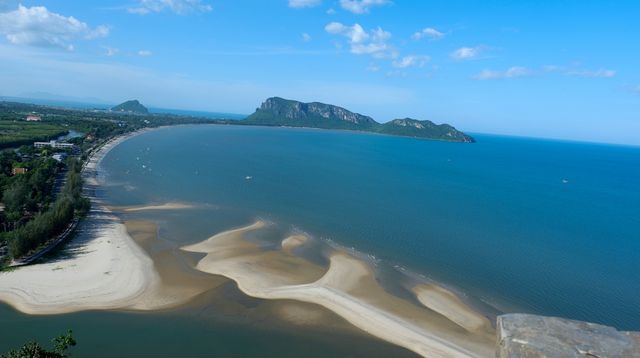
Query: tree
15,199
32,349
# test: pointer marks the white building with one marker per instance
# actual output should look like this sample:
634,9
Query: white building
53,144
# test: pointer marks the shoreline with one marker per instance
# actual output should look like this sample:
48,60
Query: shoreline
101,267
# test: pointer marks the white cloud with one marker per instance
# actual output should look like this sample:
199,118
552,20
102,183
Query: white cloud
577,71
372,43
361,6
428,32
331,11
145,53
512,72
306,37
180,7
37,26
601,73
297,4
466,53
411,61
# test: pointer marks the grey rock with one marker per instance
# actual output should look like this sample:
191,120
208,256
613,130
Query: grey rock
531,336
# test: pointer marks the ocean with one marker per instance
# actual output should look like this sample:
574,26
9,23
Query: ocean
520,224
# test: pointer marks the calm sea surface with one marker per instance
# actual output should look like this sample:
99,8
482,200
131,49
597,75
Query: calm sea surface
529,225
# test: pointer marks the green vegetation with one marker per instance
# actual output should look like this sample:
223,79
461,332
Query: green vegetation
132,106
282,112
25,193
47,224
33,349
17,133
414,128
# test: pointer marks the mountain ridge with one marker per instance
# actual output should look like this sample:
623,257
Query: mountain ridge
277,111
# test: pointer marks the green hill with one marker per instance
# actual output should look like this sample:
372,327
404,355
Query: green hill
276,111
133,106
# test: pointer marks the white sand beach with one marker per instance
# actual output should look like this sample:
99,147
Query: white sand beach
101,268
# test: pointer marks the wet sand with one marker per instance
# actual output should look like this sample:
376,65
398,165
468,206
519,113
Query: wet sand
105,268
347,288
165,206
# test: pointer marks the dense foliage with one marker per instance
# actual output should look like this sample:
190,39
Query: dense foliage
29,192
46,225
61,345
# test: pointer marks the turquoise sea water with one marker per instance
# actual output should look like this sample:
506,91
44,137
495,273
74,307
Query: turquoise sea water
532,225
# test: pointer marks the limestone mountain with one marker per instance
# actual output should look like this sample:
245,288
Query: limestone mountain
276,111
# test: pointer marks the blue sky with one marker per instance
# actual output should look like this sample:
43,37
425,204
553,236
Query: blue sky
558,69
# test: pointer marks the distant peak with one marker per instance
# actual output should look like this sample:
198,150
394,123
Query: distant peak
131,106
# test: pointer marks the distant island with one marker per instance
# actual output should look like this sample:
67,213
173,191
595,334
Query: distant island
276,111
133,106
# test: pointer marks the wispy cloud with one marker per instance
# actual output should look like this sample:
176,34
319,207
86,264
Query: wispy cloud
145,53
374,42
580,72
180,7
601,73
306,37
37,26
298,4
467,53
512,72
361,6
428,32
411,61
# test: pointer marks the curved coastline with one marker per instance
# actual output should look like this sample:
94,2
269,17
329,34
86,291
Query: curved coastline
101,268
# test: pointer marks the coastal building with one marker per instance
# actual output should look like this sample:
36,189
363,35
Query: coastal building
33,118
19,171
53,144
